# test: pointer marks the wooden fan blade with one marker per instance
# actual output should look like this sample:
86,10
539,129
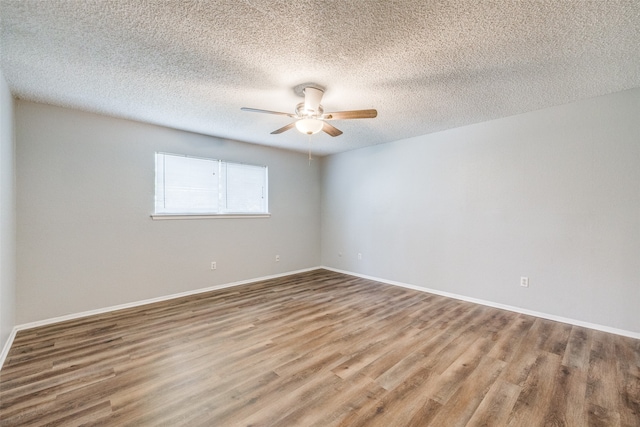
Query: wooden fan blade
255,110
283,129
353,114
331,130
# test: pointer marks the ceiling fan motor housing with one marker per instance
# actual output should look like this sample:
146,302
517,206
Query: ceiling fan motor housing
302,112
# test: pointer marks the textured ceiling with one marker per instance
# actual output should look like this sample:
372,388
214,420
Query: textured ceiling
424,65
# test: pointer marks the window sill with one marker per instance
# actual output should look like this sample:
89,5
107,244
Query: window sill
162,217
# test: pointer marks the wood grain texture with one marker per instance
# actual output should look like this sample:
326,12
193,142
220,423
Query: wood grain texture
319,349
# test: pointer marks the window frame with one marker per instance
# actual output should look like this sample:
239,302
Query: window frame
210,215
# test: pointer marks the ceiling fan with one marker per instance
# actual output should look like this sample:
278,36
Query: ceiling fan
310,117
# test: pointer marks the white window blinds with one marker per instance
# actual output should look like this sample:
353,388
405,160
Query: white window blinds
190,185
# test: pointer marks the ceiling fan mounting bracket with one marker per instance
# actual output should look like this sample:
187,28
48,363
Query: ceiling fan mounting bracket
299,89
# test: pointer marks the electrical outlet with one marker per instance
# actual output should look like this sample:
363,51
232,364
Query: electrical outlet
213,265
359,256
277,258
524,282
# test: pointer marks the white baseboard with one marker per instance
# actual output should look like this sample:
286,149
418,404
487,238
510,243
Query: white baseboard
7,345
569,321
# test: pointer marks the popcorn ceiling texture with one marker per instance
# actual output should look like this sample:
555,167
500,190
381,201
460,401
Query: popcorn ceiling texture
424,65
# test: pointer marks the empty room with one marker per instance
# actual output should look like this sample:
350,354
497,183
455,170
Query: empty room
320,213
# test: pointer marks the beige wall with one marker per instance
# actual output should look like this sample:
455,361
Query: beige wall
85,190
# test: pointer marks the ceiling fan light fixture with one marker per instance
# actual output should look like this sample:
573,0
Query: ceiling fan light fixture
309,126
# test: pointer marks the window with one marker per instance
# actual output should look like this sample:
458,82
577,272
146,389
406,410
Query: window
195,186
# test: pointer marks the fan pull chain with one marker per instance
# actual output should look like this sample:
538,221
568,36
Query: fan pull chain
309,149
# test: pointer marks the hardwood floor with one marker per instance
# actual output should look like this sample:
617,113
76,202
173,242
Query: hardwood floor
319,349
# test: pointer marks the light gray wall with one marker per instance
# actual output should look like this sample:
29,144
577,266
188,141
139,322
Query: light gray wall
553,195
85,190
7,215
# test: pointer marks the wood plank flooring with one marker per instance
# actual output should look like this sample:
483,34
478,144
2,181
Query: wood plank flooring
319,349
